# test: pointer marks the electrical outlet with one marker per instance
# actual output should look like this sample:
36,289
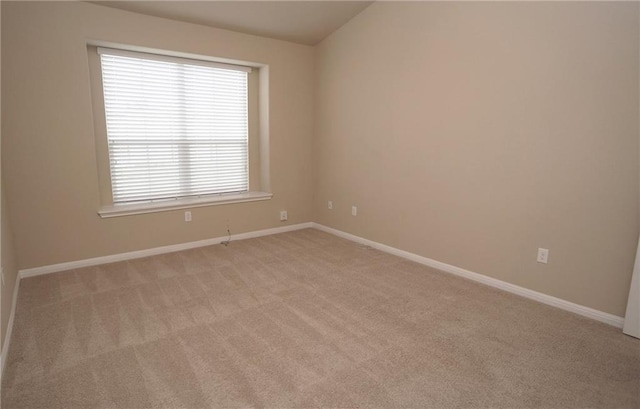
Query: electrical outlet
543,256
284,216
330,205
354,211
187,216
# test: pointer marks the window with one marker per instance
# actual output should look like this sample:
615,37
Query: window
176,128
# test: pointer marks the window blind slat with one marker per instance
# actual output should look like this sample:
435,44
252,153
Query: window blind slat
175,128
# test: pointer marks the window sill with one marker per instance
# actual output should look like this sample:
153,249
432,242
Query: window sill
166,205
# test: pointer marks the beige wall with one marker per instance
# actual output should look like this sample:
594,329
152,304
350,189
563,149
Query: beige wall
474,133
9,266
49,147
470,133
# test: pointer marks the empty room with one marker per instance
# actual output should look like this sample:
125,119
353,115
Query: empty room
320,204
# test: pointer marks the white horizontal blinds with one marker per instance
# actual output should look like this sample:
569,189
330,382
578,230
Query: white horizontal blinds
175,128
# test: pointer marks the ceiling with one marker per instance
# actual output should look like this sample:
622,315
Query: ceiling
304,22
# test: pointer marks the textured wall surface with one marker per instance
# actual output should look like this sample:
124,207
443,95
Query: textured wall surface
474,133
48,131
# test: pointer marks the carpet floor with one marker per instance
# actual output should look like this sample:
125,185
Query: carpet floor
302,319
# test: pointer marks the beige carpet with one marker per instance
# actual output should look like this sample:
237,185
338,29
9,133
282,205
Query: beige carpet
302,319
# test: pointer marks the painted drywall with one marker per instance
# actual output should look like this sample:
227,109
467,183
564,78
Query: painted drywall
49,150
9,267
632,316
467,133
7,259
475,133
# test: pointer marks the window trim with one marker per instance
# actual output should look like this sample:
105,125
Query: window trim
168,58
128,209
260,180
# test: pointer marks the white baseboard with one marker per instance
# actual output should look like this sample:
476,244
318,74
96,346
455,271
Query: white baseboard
524,292
36,271
493,282
7,335
53,268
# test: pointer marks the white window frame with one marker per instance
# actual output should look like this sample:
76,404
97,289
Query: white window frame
261,178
